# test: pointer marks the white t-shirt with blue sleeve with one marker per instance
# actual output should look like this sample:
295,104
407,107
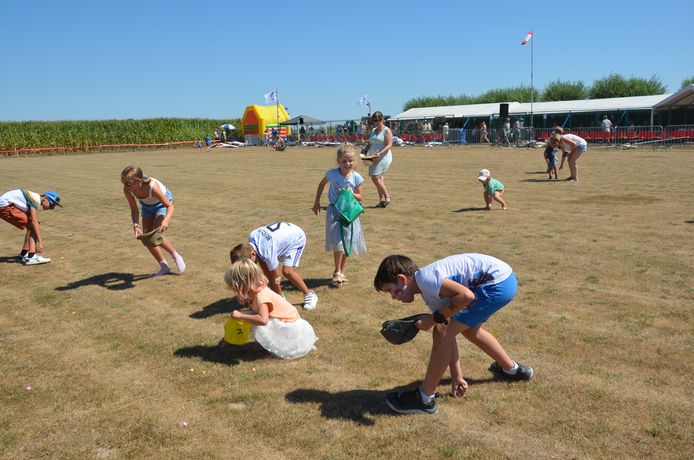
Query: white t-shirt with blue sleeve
470,270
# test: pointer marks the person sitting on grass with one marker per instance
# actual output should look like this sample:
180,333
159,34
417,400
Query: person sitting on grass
280,145
269,245
493,189
18,207
463,291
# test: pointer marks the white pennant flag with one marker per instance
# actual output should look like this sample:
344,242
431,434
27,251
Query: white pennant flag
527,38
364,100
271,97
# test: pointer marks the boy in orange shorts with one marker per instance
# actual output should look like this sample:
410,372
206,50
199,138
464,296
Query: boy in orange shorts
18,207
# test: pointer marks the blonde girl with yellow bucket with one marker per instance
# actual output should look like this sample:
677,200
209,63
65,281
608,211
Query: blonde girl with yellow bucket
275,323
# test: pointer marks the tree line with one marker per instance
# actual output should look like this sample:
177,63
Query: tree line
614,85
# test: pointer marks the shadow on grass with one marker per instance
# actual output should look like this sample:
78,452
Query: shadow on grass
470,209
224,353
689,221
220,307
535,172
311,283
358,405
112,280
556,181
9,260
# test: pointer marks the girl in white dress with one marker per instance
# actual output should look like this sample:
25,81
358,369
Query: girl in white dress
342,177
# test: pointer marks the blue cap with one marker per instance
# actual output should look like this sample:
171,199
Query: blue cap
53,199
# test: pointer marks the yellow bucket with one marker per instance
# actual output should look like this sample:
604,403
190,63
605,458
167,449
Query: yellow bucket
237,332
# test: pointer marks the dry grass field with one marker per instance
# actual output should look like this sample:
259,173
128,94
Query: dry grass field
117,361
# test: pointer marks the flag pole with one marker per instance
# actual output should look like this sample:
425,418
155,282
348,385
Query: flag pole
532,91
277,110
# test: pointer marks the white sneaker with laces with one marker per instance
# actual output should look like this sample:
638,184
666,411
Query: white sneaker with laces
36,259
310,300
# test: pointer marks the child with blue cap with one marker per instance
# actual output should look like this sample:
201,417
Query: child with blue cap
18,207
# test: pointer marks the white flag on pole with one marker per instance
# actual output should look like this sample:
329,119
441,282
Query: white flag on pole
364,100
271,97
527,38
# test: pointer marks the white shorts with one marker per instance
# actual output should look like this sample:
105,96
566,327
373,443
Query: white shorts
292,258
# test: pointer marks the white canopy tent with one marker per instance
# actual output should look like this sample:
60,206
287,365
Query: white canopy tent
540,108
451,111
591,105
682,98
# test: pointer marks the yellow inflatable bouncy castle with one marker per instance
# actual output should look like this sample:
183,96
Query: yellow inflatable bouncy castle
260,119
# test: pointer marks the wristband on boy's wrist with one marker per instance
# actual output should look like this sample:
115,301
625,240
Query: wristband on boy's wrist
439,318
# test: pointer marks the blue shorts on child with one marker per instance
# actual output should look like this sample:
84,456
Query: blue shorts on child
158,209
489,298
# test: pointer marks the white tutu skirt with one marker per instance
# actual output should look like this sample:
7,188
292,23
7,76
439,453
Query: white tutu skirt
286,340
333,240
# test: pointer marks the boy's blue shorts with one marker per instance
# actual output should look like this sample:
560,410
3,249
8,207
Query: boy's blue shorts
489,298
152,210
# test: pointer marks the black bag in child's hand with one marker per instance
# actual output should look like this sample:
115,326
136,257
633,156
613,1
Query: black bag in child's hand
348,210
399,331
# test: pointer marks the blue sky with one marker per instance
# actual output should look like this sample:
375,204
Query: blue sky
69,60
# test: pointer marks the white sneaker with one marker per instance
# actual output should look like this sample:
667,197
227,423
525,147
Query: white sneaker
36,259
310,301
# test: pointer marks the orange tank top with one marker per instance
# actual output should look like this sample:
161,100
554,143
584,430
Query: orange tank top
278,307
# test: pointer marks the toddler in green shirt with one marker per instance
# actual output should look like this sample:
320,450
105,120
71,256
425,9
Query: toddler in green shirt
493,189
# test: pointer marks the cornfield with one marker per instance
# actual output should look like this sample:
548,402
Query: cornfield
88,135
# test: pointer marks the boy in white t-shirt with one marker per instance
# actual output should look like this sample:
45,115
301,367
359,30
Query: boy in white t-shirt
467,289
271,244
18,207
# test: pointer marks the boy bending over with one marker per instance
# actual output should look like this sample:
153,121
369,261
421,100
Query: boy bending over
462,291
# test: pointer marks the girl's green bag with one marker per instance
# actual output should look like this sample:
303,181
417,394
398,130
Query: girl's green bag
348,210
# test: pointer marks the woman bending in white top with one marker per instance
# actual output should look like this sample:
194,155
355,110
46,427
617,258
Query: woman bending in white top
572,147
157,209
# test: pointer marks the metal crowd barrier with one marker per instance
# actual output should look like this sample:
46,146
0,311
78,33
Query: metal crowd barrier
678,135
628,135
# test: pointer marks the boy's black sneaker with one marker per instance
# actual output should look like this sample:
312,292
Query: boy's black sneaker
523,373
409,402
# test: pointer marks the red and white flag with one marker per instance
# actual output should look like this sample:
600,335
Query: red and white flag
527,38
